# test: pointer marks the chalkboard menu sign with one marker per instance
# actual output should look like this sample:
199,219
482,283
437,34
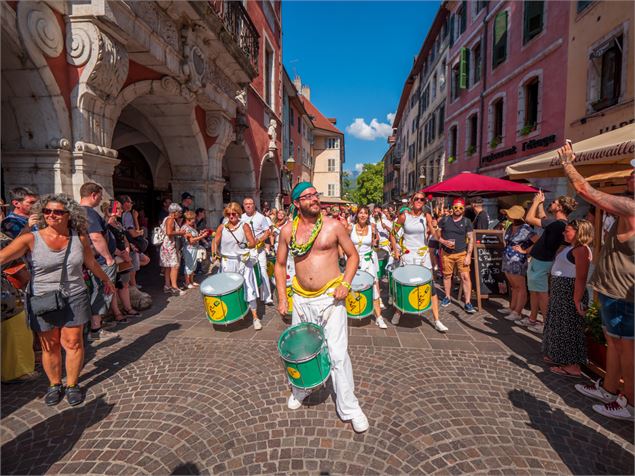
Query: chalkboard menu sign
487,273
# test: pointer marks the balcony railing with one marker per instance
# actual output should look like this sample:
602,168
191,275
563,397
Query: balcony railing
238,24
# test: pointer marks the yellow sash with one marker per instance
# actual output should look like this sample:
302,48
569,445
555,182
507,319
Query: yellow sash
295,285
384,243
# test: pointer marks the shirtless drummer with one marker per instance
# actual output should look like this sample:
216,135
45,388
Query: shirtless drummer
319,292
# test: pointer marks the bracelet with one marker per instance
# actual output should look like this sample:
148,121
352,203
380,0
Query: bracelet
346,285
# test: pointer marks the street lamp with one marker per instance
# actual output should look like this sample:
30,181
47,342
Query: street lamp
422,180
290,164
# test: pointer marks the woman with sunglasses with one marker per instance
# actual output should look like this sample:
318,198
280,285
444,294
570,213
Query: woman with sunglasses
232,243
56,254
364,237
416,225
170,252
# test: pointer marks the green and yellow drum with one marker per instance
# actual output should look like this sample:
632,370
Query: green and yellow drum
389,271
271,263
412,288
305,355
257,272
224,298
289,296
382,261
359,302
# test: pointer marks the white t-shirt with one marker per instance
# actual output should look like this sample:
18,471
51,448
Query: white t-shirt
258,222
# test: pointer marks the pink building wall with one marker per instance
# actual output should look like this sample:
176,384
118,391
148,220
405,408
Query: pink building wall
544,57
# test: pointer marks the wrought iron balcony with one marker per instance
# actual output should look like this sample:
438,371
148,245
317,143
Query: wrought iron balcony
240,27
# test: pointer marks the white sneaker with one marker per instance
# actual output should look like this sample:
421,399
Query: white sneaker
381,304
595,390
381,323
293,403
257,324
396,318
525,322
619,409
360,423
505,310
537,328
190,286
438,325
513,316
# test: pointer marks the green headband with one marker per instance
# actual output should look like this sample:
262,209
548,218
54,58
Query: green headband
299,188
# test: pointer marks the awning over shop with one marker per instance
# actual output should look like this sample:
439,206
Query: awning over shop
604,156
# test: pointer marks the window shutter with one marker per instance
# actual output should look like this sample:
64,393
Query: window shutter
463,68
500,38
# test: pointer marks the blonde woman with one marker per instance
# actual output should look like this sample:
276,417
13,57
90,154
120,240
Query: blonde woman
232,242
564,342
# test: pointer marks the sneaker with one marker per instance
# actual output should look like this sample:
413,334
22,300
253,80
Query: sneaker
445,302
438,325
177,292
537,328
595,390
513,316
360,423
469,308
269,302
74,395
525,322
381,323
167,289
381,304
619,409
504,310
101,334
190,286
396,318
293,403
54,394
257,324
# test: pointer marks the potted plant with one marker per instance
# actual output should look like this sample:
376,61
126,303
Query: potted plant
527,129
471,149
451,159
496,140
596,342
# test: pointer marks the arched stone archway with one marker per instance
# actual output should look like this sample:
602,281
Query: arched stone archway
269,182
238,172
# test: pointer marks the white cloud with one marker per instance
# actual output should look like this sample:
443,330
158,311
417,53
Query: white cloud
391,117
359,167
361,130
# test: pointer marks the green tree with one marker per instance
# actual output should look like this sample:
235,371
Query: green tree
370,185
348,186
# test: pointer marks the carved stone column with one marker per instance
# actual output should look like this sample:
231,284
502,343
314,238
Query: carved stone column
44,170
93,163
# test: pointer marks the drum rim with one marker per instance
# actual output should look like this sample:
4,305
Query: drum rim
372,281
225,293
312,386
304,359
409,265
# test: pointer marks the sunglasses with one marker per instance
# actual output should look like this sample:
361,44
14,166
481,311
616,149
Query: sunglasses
57,213
458,207
310,196
232,214
418,199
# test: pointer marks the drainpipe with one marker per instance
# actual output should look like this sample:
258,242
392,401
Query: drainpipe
483,80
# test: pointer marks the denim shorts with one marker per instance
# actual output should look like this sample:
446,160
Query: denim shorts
617,317
538,275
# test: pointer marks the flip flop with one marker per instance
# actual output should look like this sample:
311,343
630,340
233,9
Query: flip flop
549,360
564,373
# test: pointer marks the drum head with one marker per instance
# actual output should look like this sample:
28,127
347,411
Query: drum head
382,254
301,342
362,281
221,283
412,275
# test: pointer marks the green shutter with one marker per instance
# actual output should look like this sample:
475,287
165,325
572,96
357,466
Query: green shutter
499,51
463,69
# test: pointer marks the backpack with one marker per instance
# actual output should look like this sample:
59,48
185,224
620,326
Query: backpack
158,234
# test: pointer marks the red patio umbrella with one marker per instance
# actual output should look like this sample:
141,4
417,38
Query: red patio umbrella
467,184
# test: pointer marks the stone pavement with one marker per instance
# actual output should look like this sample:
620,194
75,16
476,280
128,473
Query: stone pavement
174,395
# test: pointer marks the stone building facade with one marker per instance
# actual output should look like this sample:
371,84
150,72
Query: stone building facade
146,98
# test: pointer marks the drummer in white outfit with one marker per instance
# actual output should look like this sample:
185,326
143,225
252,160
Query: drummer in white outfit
415,224
364,236
384,226
261,227
232,242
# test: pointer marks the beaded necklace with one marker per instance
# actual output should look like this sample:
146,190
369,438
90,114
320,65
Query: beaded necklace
298,249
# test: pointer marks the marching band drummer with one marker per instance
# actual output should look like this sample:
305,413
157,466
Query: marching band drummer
319,292
232,242
383,224
364,236
415,224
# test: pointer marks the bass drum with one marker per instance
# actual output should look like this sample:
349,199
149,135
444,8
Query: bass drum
412,288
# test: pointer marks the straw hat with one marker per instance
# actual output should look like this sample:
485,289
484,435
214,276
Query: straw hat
515,213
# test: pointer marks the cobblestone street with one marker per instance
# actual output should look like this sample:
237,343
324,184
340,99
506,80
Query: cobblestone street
174,395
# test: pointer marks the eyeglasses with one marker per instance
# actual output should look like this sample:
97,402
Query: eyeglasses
310,196
57,213
232,214
418,199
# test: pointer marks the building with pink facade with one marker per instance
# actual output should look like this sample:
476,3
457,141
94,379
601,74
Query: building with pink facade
507,73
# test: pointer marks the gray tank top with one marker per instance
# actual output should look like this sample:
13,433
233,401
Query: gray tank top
46,267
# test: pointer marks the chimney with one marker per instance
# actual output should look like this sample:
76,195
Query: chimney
297,82
306,91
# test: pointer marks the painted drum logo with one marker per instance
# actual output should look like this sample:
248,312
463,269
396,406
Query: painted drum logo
216,309
355,303
419,297
293,373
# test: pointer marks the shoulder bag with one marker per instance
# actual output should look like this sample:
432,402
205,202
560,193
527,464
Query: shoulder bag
52,300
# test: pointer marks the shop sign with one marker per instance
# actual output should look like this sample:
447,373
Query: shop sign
542,142
497,155
616,126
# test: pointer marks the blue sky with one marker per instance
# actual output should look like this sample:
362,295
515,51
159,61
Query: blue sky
355,57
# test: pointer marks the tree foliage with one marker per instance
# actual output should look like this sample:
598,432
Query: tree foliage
370,185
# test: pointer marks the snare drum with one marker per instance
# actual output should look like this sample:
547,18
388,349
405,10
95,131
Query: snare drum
359,302
382,261
412,288
289,297
271,263
224,298
305,355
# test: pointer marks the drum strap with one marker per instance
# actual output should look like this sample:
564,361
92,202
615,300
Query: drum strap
295,285
368,256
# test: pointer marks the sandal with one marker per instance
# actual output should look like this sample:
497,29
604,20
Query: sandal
132,313
120,319
548,360
564,372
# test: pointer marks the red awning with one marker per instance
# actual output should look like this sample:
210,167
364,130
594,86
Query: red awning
472,185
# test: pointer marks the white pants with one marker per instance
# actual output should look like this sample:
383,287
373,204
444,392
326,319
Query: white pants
317,310
265,289
371,266
236,265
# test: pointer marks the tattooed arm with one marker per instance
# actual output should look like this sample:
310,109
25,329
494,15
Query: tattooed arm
616,205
